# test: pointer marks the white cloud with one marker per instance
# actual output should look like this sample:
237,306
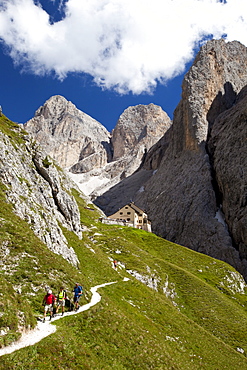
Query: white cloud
128,45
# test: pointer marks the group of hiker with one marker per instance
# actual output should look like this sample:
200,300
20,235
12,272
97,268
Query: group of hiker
53,303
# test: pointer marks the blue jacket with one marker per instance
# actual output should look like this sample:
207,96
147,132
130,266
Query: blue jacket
77,290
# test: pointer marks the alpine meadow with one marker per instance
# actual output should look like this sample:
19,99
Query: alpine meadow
169,307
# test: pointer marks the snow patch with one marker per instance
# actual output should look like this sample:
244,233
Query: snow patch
86,183
221,217
141,190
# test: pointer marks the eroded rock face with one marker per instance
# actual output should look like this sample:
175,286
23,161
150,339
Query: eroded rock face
210,87
228,151
185,205
70,136
141,125
137,130
179,191
40,193
96,159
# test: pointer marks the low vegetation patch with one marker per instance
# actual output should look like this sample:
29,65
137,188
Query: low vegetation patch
170,307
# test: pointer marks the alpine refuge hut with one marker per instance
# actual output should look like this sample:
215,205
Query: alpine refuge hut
133,216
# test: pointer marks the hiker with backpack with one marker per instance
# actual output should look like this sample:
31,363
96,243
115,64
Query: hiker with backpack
61,297
48,302
77,295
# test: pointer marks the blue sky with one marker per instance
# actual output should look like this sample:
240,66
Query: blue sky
105,55
21,94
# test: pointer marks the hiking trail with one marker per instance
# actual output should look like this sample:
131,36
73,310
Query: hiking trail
42,330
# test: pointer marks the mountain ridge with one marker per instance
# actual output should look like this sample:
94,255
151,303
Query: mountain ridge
169,168
178,182
88,151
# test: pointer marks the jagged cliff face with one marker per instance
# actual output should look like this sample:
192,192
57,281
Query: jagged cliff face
39,192
139,127
186,183
96,159
137,130
70,136
209,88
185,207
228,152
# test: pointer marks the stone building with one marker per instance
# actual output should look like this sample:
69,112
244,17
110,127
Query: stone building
133,216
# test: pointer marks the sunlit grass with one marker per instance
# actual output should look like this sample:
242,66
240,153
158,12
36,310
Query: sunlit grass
185,314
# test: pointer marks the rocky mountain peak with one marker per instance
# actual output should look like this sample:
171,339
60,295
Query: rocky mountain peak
96,159
210,87
141,124
69,135
56,106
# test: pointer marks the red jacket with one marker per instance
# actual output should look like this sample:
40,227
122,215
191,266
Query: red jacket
49,298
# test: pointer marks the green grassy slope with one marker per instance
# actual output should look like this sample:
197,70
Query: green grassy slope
186,311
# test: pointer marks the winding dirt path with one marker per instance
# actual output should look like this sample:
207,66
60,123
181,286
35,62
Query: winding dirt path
42,330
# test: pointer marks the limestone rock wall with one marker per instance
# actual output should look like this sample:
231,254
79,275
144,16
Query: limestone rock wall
137,130
228,151
185,204
70,136
141,125
210,87
96,159
40,193
186,182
